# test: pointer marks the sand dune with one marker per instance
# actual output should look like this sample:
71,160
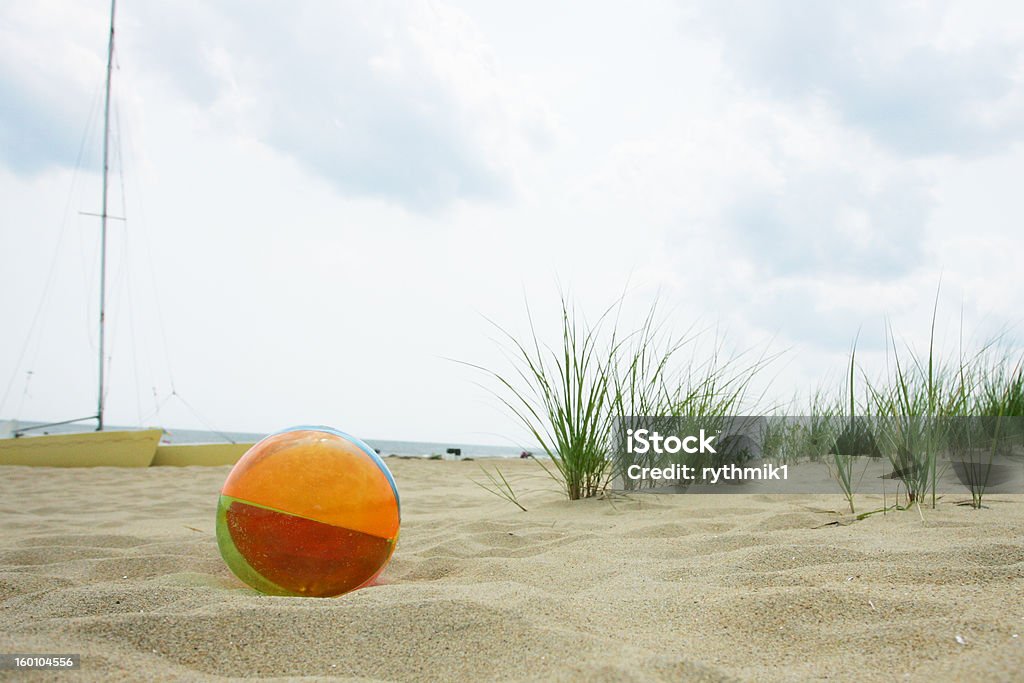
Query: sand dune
122,567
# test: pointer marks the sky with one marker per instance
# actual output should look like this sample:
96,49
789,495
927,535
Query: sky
328,204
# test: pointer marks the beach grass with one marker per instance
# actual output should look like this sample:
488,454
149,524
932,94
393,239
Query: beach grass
499,485
576,397
573,396
564,396
930,405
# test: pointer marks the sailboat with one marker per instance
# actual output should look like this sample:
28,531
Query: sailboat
105,447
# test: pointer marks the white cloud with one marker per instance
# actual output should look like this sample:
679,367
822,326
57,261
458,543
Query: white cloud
49,83
784,187
901,71
400,101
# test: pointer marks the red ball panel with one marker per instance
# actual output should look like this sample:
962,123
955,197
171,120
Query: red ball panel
304,556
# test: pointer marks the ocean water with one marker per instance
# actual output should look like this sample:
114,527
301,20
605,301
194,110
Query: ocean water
385,446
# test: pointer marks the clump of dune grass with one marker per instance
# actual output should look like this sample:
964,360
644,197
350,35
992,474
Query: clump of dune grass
911,411
1000,395
565,396
699,392
832,432
849,438
995,425
575,396
780,440
1001,389
930,406
641,382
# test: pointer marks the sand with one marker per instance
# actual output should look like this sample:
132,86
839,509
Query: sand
122,566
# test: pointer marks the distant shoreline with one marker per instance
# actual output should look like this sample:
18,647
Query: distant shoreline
386,447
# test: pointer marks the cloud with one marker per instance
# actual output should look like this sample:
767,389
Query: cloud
33,134
50,83
402,102
398,101
784,191
831,221
901,71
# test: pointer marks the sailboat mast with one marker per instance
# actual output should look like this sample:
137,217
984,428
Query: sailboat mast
103,216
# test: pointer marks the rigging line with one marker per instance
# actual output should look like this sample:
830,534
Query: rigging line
158,404
89,266
116,288
196,414
140,225
122,138
51,274
141,222
88,259
125,274
119,150
119,285
161,326
24,394
132,336
125,142
159,308
88,141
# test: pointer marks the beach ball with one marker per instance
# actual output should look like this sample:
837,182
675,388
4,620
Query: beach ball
308,511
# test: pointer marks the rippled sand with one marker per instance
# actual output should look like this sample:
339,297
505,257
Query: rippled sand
122,566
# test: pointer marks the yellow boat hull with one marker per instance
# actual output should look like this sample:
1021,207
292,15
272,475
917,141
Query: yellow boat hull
206,454
127,448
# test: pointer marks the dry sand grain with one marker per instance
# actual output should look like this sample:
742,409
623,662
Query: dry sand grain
122,566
